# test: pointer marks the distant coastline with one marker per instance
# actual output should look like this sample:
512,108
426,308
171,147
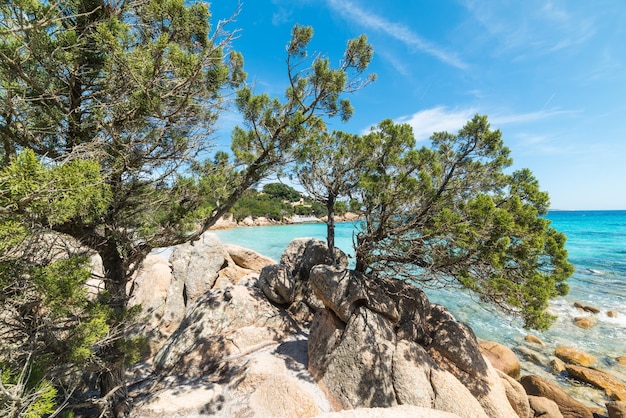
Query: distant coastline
229,222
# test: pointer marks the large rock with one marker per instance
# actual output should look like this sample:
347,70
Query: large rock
276,282
501,358
150,288
516,395
616,409
196,265
452,396
544,407
367,337
612,386
411,351
270,381
248,259
221,323
413,309
569,407
400,411
288,282
573,355
412,373
454,346
343,290
302,254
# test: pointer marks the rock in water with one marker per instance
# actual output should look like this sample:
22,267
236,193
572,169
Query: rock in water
569,407
501,357
614,389
573,355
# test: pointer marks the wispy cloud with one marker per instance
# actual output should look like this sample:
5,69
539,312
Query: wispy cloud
351,11
441,118
438,119
525,29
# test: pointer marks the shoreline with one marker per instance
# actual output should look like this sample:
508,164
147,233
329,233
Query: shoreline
228,222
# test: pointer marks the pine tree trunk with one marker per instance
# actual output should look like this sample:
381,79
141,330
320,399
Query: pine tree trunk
330,228
112,380
113,390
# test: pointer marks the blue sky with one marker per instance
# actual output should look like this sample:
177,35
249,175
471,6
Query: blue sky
551,75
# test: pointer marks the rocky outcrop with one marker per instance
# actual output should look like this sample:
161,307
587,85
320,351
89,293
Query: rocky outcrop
516,395
568,406
258,221
222,323
196,265
246,258
287,283
375,347
501,358
401,411
165,289
409,351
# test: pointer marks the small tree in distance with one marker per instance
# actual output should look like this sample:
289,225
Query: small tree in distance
329,167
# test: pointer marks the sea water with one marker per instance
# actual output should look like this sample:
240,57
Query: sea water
596,242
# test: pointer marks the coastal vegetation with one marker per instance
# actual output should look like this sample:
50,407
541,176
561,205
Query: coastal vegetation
130,90
276,201
107,111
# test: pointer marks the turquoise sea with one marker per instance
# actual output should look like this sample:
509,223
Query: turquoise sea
597,248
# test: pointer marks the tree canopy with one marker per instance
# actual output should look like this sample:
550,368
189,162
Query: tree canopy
329,167
451,215
281,191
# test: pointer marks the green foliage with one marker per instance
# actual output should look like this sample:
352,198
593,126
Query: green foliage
450,215
281,191
61,284
329,168
25,397
70,191
255,204
341,207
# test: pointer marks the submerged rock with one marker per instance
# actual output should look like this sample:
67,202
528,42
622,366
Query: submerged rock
573,355
584,322
613,388
533,339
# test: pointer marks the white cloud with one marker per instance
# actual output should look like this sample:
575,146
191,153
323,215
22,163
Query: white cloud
351,11
438,119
